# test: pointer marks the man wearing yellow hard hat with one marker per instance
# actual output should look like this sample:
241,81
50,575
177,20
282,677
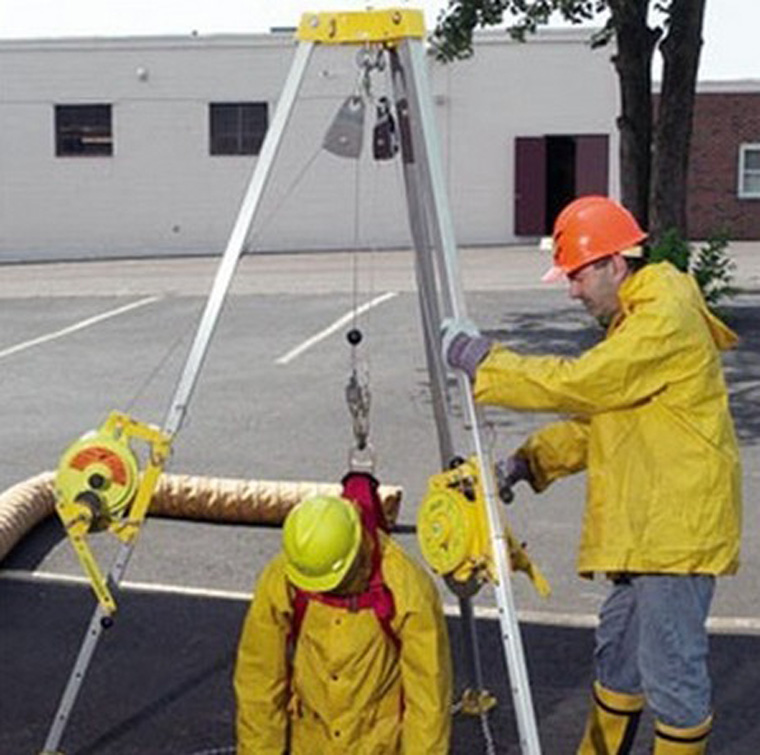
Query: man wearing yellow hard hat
344,648
647,416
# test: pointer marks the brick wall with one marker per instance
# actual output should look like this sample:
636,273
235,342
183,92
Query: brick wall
722,122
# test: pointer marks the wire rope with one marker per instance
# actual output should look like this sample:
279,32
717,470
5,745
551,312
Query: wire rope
485,726
274,211
143,386
262,226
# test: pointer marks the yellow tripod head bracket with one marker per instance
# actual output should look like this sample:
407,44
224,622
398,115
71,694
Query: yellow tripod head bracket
387,26
453,533
99,487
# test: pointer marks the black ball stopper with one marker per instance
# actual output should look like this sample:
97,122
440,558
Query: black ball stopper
354,336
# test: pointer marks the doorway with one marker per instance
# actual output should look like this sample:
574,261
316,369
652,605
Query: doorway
550,171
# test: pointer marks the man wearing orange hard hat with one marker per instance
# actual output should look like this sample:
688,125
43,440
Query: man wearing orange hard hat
646,414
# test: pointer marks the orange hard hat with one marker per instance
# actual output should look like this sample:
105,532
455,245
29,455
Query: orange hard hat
591,228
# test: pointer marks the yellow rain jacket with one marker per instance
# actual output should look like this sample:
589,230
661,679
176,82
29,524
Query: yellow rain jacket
351,691
649,421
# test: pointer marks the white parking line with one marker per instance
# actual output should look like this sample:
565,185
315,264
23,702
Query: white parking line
339,323
15,575
716,624
77,326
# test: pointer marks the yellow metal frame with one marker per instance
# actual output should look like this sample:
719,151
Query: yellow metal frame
77,517
464,545
356,27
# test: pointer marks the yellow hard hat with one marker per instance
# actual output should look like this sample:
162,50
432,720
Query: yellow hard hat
321,537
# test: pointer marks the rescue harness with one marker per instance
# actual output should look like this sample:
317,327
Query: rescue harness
361,488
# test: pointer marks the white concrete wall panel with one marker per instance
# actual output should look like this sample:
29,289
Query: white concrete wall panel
545,87
162,193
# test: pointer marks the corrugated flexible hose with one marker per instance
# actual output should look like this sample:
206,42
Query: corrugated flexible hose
213,499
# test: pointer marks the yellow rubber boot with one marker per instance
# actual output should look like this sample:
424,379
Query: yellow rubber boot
612,722
668,740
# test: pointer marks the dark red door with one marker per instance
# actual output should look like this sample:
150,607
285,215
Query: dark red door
530,185
592,164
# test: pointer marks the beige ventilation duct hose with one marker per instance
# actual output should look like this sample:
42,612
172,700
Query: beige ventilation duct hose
181,496
22,507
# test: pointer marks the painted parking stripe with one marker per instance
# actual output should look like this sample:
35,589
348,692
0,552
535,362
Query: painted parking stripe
330,329
77,326
715,624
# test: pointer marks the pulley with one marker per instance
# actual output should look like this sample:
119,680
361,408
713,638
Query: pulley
385,140
345,135
452,530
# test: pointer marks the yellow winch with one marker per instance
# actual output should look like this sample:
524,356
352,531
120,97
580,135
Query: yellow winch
452,530
98,472
99,487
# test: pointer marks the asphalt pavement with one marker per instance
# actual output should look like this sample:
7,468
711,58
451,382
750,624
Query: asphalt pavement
80,339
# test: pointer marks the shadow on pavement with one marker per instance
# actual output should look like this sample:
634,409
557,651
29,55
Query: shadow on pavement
37,544
160,681
743,372
569,332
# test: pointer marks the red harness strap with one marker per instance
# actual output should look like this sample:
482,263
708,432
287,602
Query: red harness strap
361,489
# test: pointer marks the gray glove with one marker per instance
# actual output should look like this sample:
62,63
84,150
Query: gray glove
462,345
509,472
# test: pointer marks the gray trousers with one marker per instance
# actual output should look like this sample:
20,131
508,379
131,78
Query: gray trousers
652,639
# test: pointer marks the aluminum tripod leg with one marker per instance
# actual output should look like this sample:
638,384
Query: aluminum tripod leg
193,364
430,313
426,154
237,239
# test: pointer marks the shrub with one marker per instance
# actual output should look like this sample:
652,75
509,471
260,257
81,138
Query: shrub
714,271
710,264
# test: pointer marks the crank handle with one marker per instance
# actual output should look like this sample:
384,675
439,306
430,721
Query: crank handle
506,494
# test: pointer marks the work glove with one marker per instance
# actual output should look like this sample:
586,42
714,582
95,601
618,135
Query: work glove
462,345
510,471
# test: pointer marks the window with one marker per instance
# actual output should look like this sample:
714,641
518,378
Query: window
237,128
749,171
83,131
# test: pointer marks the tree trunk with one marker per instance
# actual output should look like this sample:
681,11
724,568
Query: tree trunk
633,62
680,51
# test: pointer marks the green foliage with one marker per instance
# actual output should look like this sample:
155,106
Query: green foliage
452,38
714,271
710,264
674,249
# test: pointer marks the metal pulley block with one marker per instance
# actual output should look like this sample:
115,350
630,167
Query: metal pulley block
385,140
345,135
452,530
